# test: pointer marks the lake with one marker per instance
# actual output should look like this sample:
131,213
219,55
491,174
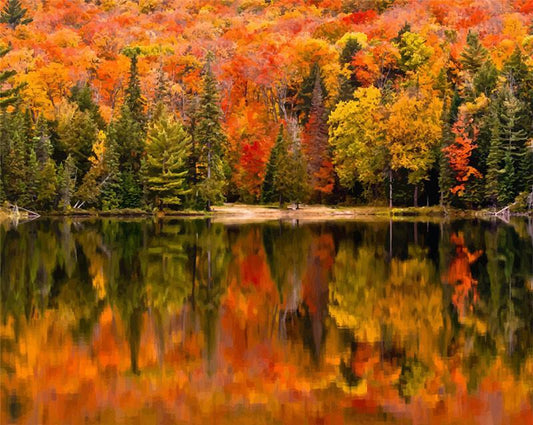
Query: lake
193,321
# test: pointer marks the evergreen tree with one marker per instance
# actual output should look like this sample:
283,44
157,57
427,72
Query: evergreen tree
82,96
17,151
164,168
77,137
494,159
305,94
8,96
508,190
46,185
446,180
514,142
126,137
348,83
14,14
474,54
486,78
134,100
290,178
66,182
110,191
316,147
42,143
210,143
268,192
162,92
32,180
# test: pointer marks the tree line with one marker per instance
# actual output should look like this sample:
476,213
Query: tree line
461,139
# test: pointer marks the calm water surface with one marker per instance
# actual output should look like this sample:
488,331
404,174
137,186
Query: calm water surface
144,322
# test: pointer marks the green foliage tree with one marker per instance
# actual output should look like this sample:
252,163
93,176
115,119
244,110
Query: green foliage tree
348,83
66,182
268,192
134,100
494,159
446,180
14,14
474,54
15,161
210,144
8,96
77,136
164,168
413,51
305,94
126,137
357,137
110,195
514,142
82,95
290,179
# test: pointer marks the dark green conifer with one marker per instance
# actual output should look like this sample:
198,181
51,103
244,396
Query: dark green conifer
14,14
268,192
211,142
474,55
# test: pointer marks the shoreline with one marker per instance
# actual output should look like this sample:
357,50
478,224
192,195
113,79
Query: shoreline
246,212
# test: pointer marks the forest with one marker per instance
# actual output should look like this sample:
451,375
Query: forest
172,104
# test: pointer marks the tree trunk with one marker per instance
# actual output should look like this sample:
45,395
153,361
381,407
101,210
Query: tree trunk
390,188
415,196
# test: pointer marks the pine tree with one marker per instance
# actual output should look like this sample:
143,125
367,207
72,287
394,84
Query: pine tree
32,180
110,191
162,92
126,139
67,182
42,144
46,185
348,83
316,147
474,54
486,78
16,156
268,192
446,180
77,137
305,94
14,14
514,142
8,96
290,178
82,96
210,143
134,100
508,190
164,168
494,159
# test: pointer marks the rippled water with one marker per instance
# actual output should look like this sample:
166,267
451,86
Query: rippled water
191,321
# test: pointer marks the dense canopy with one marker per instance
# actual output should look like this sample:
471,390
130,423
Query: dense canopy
453,81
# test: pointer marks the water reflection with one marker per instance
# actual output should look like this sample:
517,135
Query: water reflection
110,321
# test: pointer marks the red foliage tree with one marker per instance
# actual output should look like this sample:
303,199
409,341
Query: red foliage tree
459,152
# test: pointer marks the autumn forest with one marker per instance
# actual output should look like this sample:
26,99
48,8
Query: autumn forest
266,212
154,104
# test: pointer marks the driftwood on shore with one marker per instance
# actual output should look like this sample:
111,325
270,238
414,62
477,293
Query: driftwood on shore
15,211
